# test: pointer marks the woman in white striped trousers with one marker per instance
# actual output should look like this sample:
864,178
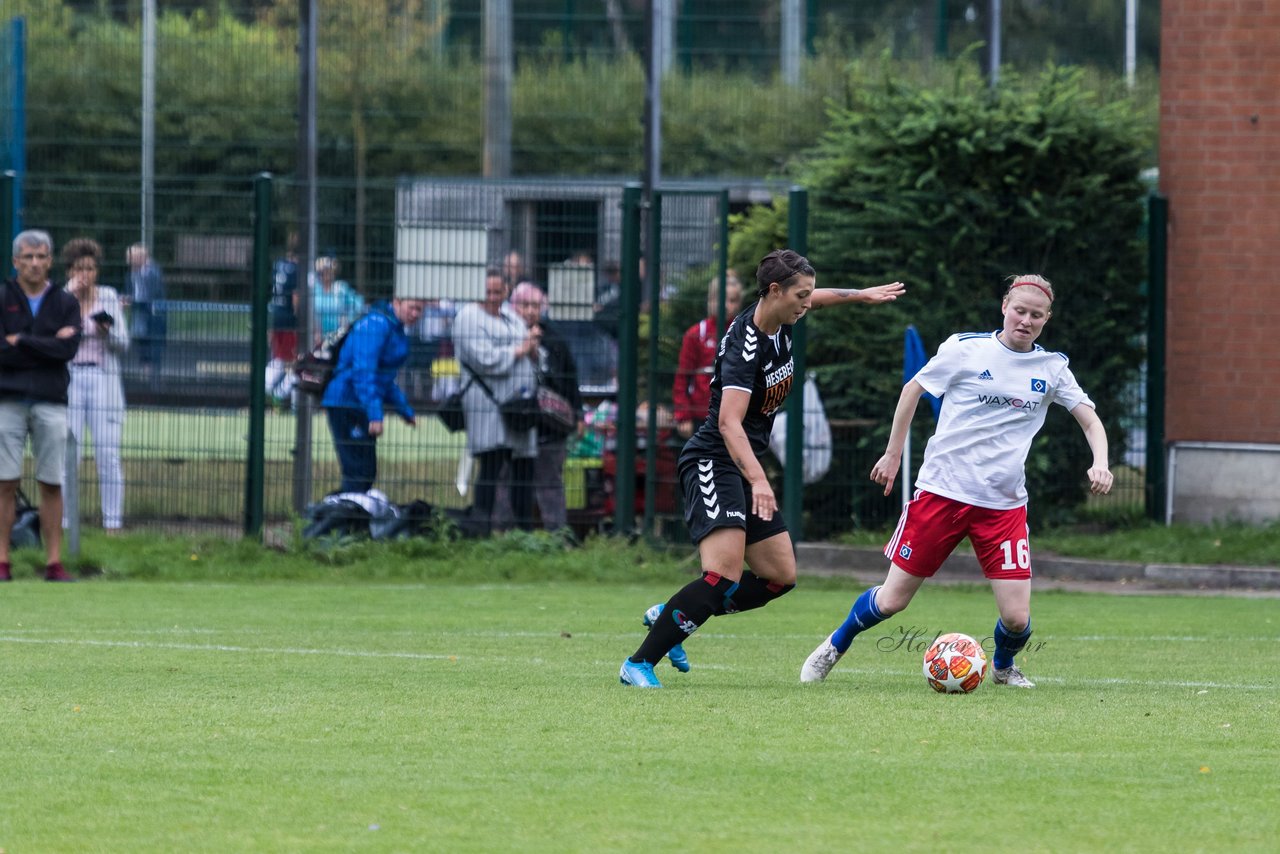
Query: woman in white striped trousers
96,394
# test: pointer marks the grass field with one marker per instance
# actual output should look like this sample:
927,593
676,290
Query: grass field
446,715
192,464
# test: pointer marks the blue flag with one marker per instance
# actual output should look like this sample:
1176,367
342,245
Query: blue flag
913,359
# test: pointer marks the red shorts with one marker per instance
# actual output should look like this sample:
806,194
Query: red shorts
932,526
284,344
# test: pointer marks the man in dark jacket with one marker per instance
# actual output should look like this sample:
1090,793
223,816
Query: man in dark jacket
41,326
148,314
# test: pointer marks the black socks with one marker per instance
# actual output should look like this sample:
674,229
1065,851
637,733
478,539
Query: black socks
700,600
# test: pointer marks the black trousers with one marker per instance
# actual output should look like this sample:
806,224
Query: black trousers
492,465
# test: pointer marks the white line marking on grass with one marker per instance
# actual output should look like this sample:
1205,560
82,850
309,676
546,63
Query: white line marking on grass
176,630
424,656
1156,683
1160,638
267,650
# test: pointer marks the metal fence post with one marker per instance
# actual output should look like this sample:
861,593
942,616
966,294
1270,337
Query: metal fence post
71,494
1157,244
15,130
8,216
793,474
254,482
653,279
628,333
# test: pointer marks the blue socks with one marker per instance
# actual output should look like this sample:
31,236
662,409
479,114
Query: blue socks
863,616
1008,645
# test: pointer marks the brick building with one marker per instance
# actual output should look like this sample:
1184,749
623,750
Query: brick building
1220,170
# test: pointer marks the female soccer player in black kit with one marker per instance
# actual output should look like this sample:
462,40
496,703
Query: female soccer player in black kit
730,508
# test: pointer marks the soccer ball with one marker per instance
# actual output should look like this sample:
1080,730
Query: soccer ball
955,664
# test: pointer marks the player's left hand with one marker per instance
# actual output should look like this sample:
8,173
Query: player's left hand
763,502
1100,480
882,293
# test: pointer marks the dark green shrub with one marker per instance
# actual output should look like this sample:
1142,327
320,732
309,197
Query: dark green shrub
951,191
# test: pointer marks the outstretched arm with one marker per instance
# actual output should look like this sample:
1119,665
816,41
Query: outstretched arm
823,297
886,468
1095,434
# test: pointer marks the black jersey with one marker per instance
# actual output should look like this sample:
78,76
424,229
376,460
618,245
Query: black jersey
752,361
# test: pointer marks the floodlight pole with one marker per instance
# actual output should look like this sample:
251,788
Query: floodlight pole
148,170
792,41
994,49
498,65
658,15
1130,41
657,12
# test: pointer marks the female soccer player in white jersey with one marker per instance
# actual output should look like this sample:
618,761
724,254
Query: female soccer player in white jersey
997,387
730,508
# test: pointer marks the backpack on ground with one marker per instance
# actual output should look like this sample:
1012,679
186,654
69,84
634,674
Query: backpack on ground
314,370
26,524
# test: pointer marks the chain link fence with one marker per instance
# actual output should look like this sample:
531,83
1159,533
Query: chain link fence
400,94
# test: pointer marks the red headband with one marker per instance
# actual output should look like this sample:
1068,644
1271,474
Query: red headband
1037,285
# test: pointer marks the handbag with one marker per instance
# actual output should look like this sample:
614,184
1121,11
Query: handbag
314,370
556,418
451,411
545,409
521,412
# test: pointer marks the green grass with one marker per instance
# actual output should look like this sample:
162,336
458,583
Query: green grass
220,434
192,464
469,702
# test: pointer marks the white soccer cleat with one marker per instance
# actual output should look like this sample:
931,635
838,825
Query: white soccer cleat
1012,676
820,661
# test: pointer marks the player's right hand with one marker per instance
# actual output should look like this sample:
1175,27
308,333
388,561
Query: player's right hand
885,471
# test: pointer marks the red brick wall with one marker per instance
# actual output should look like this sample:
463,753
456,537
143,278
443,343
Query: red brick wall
1220,169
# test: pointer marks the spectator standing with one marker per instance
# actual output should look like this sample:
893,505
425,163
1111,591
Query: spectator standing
607,309
334,302
494,345
364,386
432,340
557,371
691,395
41,328
513,268
148,320
96,395
283,334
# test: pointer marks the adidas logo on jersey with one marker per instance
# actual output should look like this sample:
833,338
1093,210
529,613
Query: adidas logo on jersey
985,375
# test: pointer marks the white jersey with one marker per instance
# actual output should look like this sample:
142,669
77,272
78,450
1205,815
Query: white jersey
994,401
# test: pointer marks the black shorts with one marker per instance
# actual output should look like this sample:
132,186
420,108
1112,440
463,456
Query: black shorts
716,495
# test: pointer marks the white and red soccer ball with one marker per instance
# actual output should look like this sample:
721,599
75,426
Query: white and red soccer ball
955,664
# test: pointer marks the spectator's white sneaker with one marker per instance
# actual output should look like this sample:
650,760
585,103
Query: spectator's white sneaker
820,661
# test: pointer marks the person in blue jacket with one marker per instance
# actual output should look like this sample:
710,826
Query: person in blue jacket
364,385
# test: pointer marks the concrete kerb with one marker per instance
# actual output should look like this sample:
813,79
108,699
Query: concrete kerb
862,562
